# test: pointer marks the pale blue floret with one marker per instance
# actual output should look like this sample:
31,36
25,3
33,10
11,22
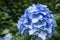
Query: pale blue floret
7,37
1,39
37,20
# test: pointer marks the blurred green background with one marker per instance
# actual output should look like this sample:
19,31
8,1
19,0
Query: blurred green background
11,10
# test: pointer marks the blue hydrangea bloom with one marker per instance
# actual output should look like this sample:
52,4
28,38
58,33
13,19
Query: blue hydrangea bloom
7,37
1,39
37,20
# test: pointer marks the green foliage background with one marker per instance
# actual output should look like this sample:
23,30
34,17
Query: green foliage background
11,10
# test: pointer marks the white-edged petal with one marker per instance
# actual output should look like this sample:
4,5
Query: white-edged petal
42,35
32,8
44,13
44,24
50,20
25,21
40,17
37,26
30,26
34,20
31,32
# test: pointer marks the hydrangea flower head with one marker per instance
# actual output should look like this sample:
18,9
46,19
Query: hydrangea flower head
1,39
7,37
37,20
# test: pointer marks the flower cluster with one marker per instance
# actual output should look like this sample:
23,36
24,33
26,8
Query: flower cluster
37,20
7,37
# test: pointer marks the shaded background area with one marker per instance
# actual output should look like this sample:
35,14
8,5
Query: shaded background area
11,10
